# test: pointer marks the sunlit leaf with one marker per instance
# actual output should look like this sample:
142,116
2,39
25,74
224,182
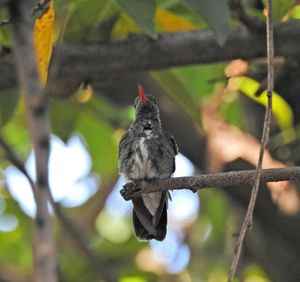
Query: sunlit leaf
199,79
281,109
254,273
133,279
215,13
5,35
125,26
176,87
280,8
115,229
18,240
15,131
295,12
170,22
43,41
142,11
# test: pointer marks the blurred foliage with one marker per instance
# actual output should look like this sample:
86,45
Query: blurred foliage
281,109
101,124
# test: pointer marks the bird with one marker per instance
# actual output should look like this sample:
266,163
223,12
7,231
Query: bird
147,152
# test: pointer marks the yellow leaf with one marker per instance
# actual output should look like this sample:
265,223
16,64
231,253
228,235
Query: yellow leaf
125,26
170,22
281,109
165,21
43,41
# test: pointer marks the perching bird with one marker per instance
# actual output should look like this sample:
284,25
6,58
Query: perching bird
146,152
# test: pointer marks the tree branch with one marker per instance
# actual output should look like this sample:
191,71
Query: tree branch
75,63
45,266
13,158
140,53
224,179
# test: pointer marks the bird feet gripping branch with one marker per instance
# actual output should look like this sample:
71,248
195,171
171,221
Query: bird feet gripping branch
136,185
130,188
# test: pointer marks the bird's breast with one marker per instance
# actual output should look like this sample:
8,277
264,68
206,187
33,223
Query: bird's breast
142,164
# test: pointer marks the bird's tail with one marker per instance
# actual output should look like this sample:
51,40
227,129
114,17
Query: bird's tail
145,225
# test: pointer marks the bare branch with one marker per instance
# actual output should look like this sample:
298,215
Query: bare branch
247,224
45,267
224,179
13,158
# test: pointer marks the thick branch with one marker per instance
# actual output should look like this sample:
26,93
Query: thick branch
74,63
224,179
171,49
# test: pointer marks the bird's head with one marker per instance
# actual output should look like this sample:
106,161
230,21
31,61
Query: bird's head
145,105
146,112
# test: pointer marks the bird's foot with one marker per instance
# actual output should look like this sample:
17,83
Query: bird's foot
130,188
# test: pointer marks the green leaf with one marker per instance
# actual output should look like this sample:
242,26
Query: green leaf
63,117
8,103
101,143
198,78
16,133
280,8
84,19
142,12
176,87
215,13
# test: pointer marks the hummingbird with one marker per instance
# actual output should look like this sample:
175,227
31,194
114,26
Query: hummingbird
146,152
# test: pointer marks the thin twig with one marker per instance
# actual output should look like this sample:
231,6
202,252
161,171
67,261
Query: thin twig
13,158
247,224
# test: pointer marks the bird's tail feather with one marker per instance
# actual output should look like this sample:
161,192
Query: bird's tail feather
146,226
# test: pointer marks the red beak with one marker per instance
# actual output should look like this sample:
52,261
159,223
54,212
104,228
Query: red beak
142,95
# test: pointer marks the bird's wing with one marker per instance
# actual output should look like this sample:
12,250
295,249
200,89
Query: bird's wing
173,145
123,142
171,139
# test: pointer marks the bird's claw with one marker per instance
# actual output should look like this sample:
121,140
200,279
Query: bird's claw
130,188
